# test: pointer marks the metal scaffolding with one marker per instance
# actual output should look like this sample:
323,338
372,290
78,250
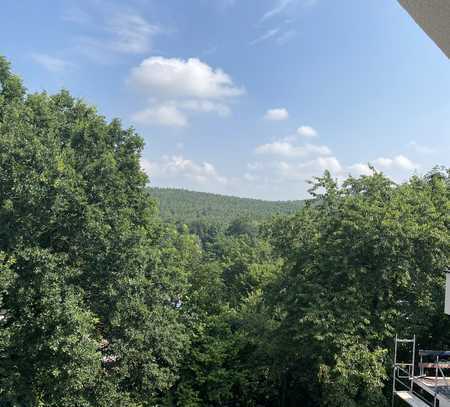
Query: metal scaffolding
424,385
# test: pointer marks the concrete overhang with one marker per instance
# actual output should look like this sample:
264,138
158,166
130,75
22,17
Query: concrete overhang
434,18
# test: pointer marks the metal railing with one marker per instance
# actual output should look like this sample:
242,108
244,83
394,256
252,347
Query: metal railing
404,374
409,386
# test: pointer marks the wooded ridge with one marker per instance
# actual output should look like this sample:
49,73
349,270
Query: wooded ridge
181,205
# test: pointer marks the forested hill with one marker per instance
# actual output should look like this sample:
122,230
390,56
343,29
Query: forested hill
189,206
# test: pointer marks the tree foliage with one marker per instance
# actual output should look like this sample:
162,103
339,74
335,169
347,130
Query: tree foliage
190,207
92,278
215,303
365,261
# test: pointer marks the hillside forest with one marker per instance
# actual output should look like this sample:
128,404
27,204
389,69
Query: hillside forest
106,300
189,207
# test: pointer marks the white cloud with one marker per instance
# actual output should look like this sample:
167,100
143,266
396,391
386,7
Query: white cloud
307,131
162,115
178,78
360,169
267,35
183,87
397,162
393,165
331,164
306,170
286,149
177,169
277,114
384,162
405,163
289,163
52,64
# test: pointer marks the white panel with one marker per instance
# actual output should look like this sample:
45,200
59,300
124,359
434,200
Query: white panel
447,294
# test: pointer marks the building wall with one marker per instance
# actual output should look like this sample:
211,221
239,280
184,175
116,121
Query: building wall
434,18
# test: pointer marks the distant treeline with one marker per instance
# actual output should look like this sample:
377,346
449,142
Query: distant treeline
180,205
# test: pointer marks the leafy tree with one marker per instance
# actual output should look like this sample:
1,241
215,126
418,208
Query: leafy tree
91,281
363,262
228,362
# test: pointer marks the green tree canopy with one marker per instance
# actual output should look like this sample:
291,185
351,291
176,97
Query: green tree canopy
366,260
91,280
102,304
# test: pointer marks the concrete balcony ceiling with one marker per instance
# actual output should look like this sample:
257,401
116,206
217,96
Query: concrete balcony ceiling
434,18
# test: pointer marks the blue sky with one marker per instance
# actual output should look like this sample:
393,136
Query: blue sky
246,97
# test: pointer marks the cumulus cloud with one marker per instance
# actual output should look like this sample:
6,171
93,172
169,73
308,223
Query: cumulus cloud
287,149
177,168
178,78
304,171
307,131
398,162
282,178
186,85
391,165
52,64
360,169
162,115
277,114
331,164
286,164
174,113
